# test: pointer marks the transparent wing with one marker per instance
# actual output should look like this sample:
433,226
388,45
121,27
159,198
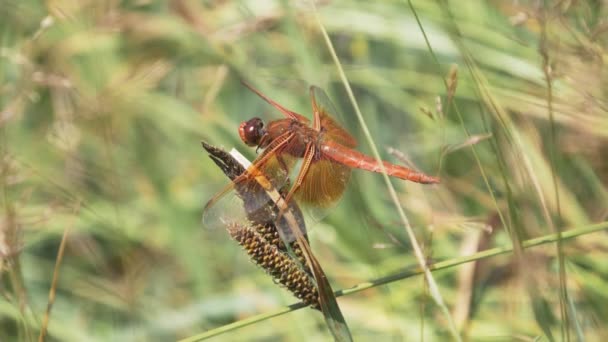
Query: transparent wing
245,198
322,189
329,118
253,200
286,112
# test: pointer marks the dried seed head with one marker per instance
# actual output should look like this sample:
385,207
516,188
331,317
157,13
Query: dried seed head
276,262
271,235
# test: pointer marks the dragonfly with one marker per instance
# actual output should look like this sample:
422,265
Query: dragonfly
291,264
324,150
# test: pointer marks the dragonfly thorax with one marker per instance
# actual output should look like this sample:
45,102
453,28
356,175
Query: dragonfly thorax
297,134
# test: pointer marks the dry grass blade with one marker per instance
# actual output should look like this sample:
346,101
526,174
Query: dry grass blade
472,140
53,289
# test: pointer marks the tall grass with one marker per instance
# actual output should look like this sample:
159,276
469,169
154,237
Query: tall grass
103,105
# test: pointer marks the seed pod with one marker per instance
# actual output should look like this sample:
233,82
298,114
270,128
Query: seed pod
275,262
271,235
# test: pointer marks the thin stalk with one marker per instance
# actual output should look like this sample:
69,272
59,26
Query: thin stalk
544,52
432,284
53,289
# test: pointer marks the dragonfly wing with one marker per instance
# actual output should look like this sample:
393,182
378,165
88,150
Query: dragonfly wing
286,112
328,114
241,198
322,188
251,199
324,184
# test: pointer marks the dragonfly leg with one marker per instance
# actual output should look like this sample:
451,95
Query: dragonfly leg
308,156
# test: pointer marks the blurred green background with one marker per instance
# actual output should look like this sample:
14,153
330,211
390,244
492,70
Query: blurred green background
103,105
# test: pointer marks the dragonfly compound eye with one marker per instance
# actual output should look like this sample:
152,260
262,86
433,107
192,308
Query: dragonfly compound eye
251,131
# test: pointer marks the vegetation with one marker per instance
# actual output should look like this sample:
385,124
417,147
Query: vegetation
103,105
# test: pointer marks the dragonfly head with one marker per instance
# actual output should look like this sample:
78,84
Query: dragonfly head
252,131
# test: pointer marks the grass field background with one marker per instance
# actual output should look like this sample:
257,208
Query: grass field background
103,105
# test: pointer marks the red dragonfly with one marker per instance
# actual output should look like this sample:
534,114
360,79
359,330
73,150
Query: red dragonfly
325,149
